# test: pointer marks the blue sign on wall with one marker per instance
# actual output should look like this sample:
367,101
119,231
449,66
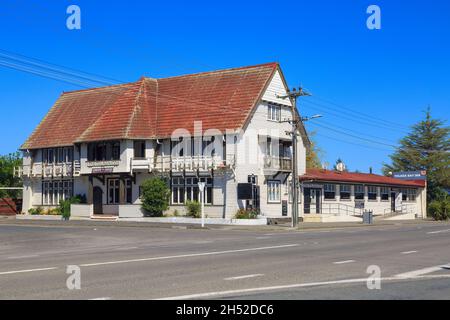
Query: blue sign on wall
411,175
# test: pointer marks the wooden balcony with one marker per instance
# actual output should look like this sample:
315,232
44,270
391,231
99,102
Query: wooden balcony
180,164
273,163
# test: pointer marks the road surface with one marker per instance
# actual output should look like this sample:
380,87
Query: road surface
160,263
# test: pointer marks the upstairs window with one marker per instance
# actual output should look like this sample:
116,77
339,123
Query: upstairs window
329,191
372,192
344,190
104,151
359,192
274,112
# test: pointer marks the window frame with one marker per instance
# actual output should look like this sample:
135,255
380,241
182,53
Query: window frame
370,193
357,193
349,192
327,190
273,112
383,192
276,189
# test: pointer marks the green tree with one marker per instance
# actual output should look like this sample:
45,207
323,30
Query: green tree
426,147
155,196
313,153
7,179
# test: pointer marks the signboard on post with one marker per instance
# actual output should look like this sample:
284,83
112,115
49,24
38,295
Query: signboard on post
245,191
410,175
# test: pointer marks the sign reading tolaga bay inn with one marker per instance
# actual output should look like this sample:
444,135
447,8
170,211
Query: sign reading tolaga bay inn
225,128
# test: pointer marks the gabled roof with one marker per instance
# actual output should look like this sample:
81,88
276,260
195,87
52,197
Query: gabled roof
154,108
353,177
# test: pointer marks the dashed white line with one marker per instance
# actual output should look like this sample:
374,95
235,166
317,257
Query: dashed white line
261,238
102,298
24,256
27,270
244,277
438,231
188,255
409,252
343,262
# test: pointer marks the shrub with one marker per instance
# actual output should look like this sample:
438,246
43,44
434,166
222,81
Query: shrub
64,205
439,209
36,211
155,197
246,214
176,213
194,209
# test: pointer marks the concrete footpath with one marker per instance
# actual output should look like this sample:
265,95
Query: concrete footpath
279,227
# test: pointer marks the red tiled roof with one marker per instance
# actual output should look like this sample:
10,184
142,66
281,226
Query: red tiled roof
352,177
151,108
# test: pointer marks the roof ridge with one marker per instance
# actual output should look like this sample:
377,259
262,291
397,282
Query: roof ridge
273,64
136,104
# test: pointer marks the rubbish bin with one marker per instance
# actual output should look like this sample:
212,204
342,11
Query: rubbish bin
368,217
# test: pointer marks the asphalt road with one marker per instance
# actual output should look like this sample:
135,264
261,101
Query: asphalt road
156,263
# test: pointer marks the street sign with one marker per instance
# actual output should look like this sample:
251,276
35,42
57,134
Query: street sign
411,175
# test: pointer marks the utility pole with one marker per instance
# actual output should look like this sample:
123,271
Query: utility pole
295,122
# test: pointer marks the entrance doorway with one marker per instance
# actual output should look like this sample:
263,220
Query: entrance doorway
393,196
312,200
98,200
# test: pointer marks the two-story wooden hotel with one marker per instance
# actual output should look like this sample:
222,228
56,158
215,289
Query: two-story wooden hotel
222,127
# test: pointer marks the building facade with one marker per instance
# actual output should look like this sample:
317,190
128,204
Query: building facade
329,194
223,128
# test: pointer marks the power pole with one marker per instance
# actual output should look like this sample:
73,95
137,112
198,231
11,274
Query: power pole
295,122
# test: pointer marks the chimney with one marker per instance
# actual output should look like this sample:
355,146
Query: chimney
370,170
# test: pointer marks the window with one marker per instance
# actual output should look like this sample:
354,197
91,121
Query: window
273,191
329,191
359,192
177,190
187,189
57,155
409,194
104,151
274,112
54,191
344,190
384,192
372,193
404,194
114,191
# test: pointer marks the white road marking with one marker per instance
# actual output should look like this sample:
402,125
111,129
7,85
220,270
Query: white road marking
261,238
245,277
126,248
27,270
344,262
409,252
420,272
23,257
439,231
291,286
188,255
102,298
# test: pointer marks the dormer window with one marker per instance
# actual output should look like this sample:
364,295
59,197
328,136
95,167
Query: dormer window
274,112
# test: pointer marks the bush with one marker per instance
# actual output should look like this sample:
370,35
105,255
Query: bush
64,205
246,214
36,211
439,209
194,209
155,197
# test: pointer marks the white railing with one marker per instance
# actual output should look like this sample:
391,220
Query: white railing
187,163
47,170
340,209
400,209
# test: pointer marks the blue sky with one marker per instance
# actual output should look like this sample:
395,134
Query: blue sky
384,78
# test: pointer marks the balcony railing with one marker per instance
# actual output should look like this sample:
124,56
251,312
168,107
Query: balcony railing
48,170
277,163
188,163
